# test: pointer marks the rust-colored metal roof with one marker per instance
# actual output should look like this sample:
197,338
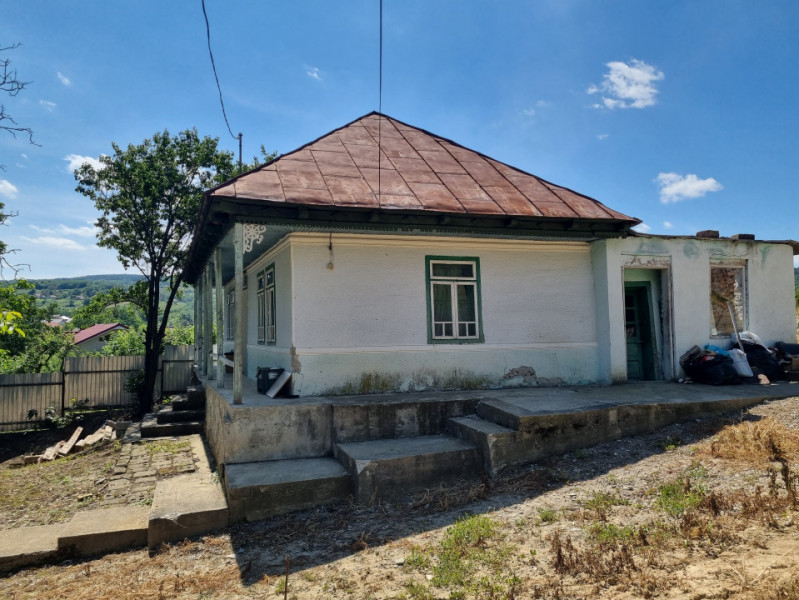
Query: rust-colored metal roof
413,170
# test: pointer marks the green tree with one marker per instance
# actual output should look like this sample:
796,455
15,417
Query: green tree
149,196
117,305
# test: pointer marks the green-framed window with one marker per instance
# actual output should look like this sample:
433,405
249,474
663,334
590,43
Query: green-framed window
454,308
270,318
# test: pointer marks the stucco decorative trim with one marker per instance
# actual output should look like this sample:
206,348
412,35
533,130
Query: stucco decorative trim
253,234
646,261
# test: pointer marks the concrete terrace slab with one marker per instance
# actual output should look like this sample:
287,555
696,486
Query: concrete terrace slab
541,401
28,546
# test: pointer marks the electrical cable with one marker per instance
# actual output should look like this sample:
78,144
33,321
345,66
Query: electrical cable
380,111
216,77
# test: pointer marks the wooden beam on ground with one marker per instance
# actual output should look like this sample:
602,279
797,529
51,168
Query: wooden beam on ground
67,448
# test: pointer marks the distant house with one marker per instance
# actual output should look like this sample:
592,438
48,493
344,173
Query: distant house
95,337
59,321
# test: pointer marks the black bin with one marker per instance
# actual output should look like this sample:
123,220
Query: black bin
266,377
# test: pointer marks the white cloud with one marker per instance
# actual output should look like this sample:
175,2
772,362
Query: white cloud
8,189
313,73
56,242
50,106
76,160
63,78
628,85
530,112
675,187
23,155
642,228
602,136
65,230
667,225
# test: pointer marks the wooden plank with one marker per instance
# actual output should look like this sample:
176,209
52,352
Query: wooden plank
52,452
67,448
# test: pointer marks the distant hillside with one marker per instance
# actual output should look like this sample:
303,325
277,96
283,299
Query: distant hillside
69,293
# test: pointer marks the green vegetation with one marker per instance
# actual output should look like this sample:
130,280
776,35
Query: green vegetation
71,296
684,493
471,561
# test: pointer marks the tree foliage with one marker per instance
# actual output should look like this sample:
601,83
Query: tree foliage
149,197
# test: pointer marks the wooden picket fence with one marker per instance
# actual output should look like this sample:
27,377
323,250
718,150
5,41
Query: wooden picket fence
86,381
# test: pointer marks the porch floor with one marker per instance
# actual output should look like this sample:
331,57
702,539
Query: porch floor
531,401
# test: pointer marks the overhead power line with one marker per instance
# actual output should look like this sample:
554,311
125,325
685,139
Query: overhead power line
216,78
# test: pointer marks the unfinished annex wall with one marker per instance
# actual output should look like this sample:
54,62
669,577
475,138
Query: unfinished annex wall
769,299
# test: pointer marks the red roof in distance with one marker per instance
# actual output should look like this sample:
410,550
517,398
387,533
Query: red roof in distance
96,330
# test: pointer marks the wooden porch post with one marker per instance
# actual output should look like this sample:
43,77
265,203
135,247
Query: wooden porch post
198,325
208,330
240,320
220,322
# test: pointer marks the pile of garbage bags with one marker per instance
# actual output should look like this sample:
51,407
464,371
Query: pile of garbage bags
748,360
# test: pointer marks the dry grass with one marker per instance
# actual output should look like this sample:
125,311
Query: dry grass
754,442
51,492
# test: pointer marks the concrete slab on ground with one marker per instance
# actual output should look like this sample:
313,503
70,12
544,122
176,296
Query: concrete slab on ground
265,489
185,506
26,546
105,530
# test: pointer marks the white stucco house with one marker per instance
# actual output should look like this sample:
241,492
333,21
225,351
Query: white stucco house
381,257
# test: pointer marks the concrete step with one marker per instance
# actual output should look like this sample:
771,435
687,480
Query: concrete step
378,417
390,468
195,398
496,442
260,490
185,506
150,427
169,414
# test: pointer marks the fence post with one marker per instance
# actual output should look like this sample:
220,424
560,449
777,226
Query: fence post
63,383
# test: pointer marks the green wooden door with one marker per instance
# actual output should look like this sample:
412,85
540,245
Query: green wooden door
638,327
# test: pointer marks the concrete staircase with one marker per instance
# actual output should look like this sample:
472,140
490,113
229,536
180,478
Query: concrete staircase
181,417
381,449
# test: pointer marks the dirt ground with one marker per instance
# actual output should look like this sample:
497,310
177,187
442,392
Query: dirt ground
109,474
701,510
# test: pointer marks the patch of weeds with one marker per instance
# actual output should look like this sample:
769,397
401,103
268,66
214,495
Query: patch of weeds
580,454
167,447
548,515
418,559
670,443
601,502
417,591
679,495
470,547
280,588
609,533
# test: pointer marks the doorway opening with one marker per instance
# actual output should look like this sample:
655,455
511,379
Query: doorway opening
646,324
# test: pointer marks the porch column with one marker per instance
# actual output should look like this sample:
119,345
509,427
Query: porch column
198,325
240,316
208,329
220,322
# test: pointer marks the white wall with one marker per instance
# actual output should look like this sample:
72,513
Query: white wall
362,325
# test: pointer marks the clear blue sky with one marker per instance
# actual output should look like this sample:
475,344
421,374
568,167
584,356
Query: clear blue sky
684,113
